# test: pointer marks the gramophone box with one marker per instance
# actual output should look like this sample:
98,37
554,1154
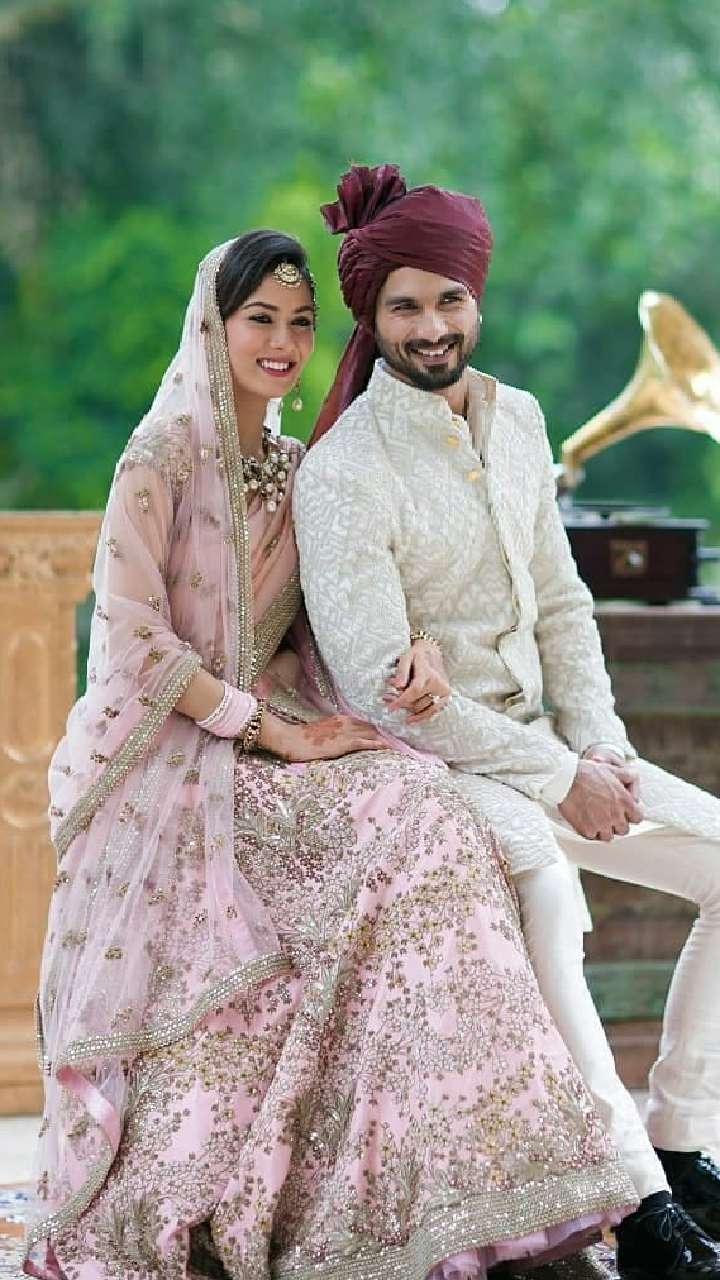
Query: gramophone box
641,554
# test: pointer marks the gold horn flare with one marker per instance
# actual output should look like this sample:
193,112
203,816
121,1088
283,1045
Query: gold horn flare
676,384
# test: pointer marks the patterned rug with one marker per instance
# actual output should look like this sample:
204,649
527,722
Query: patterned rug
593,1263
13,1208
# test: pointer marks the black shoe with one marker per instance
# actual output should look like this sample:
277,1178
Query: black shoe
660,1241
695,1183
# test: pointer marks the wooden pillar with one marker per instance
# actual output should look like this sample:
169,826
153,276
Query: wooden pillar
45,560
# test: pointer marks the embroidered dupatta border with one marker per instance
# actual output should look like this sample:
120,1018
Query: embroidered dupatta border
165,1033
271,629
139,740
158,1037
48,1228
223,403
133,748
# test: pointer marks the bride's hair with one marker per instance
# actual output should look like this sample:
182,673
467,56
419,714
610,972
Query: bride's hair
249,259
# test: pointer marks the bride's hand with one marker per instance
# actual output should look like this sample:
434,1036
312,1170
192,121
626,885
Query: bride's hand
418,684
325,739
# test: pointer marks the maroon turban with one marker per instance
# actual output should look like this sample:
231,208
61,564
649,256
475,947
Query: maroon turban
386,227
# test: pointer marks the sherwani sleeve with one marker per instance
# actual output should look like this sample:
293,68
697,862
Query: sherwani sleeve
355,602
575,680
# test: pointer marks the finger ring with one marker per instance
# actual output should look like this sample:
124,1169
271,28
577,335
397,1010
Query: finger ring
434,697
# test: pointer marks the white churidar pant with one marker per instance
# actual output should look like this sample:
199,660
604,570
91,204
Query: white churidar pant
684,1105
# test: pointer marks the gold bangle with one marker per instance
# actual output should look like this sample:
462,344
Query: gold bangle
424,635
253,727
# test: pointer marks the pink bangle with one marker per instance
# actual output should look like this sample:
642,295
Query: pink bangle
231,715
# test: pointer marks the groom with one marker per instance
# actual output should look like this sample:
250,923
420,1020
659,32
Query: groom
430,504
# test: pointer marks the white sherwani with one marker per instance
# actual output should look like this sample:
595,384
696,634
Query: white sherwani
410,517
407,516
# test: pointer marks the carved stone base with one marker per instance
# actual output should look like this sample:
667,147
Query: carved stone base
44,572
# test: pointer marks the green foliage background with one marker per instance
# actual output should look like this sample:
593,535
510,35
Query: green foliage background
139,132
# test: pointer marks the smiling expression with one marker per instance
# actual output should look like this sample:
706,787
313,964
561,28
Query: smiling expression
270,337
426,327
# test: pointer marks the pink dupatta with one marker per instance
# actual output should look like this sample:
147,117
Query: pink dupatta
151,923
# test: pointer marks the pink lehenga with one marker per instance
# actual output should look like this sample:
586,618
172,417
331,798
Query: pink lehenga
287,1022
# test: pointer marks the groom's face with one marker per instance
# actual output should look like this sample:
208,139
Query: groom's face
426,327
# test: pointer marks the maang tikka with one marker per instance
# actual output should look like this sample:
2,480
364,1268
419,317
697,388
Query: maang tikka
291,277
288,275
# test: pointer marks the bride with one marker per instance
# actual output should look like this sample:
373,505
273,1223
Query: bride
287,1022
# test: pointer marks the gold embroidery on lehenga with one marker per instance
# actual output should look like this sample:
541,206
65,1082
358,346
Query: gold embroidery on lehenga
376,1003
143,1041
132,1232
472,1222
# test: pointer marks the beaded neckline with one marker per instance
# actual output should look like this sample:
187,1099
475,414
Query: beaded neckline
266,477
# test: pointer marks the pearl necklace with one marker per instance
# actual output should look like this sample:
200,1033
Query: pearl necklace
267,477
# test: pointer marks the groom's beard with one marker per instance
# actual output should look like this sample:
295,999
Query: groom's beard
450,357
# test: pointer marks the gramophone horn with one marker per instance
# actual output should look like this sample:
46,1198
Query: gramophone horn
676,384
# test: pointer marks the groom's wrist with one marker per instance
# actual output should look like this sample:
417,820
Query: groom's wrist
557,787
607,752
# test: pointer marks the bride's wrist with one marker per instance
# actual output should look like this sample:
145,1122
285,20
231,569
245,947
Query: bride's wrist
273,734
422,637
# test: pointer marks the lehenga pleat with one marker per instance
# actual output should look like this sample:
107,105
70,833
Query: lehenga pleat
399,1098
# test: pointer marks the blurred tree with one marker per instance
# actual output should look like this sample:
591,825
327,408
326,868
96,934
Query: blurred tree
94,321
141,131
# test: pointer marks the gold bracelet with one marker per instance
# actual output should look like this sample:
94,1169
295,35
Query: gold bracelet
253,727
424,635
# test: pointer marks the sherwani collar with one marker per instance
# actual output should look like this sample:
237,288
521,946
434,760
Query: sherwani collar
407,417
405,411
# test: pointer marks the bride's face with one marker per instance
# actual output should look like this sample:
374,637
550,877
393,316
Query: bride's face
270,338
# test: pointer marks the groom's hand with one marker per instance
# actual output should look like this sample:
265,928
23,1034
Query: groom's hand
599,804
418,685
607,755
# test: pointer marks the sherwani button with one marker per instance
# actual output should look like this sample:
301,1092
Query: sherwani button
473,475
453,441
